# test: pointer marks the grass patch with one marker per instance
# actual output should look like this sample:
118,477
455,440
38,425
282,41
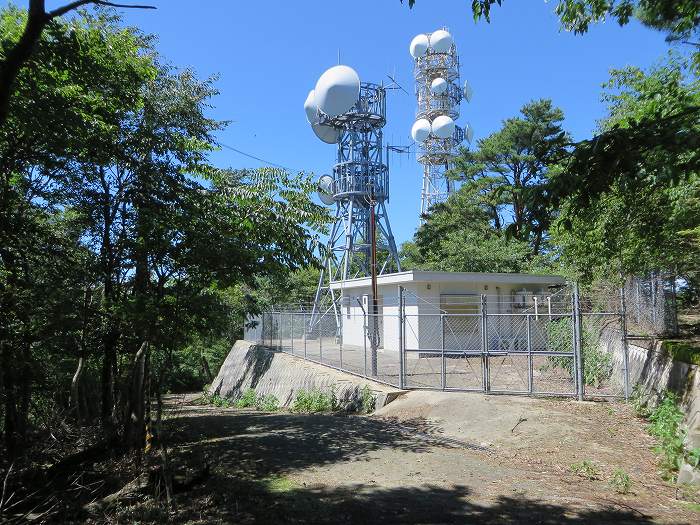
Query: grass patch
585,469
278,484
695,507
313,401
682,351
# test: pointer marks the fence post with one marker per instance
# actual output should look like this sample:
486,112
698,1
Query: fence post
401,339
305,330
625,347
291,331
576,327
339,338
529,355
365,328
279,332
485,345
549,307
320,341
443,379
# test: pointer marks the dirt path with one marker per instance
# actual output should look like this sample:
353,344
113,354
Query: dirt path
414,462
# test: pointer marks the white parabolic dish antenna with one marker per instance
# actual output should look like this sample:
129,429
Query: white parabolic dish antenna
419,45
469,133
441,41
327,134
443,127
468,92
325,189
311,108
438,86
337,90
421,130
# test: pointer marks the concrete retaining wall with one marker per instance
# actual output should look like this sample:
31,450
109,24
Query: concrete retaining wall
249,365
653,371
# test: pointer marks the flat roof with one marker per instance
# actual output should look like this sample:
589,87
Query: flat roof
421,276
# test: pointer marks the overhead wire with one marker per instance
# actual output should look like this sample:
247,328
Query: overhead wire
269,163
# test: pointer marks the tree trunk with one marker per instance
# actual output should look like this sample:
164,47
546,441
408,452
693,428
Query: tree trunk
18,55
10,416
206,369
134,427
109,365
75,404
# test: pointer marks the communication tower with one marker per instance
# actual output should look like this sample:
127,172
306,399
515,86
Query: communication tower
344,111
439,93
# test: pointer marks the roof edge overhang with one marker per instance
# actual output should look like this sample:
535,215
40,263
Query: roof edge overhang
421,276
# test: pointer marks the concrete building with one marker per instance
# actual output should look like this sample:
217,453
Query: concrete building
429,295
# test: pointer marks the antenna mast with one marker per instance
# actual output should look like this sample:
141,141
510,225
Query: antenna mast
351,113
439,94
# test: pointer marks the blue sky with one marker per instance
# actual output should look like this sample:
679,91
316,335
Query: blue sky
269,54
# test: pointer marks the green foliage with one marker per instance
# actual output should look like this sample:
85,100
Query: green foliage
630,197
116,230
216,400
264,403
457,236
585,469
267,403
315,400
509,171
639,401
665,425
682,351
620,481
248,399
368,399
597,364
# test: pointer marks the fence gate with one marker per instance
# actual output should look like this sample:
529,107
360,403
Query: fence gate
500,353
555,350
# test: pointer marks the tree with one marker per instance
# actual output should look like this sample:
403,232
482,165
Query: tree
509,172
108,198
458,236
16,55
67,114
630,198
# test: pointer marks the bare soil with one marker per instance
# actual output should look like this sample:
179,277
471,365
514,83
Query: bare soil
428,457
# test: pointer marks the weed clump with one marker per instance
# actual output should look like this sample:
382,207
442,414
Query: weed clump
620,481
215,400
247,400
585,469
313,401
368,399
267,403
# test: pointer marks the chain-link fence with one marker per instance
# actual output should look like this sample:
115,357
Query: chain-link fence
353,343
563,344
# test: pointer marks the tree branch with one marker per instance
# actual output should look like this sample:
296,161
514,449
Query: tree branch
17,56
60,11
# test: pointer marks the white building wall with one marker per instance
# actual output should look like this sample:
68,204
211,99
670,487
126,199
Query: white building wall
424,327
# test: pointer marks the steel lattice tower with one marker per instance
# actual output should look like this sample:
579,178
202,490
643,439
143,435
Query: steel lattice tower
437,154
360,182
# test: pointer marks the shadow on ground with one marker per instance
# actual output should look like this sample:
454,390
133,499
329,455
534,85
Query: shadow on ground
252,453
256,444
235,501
